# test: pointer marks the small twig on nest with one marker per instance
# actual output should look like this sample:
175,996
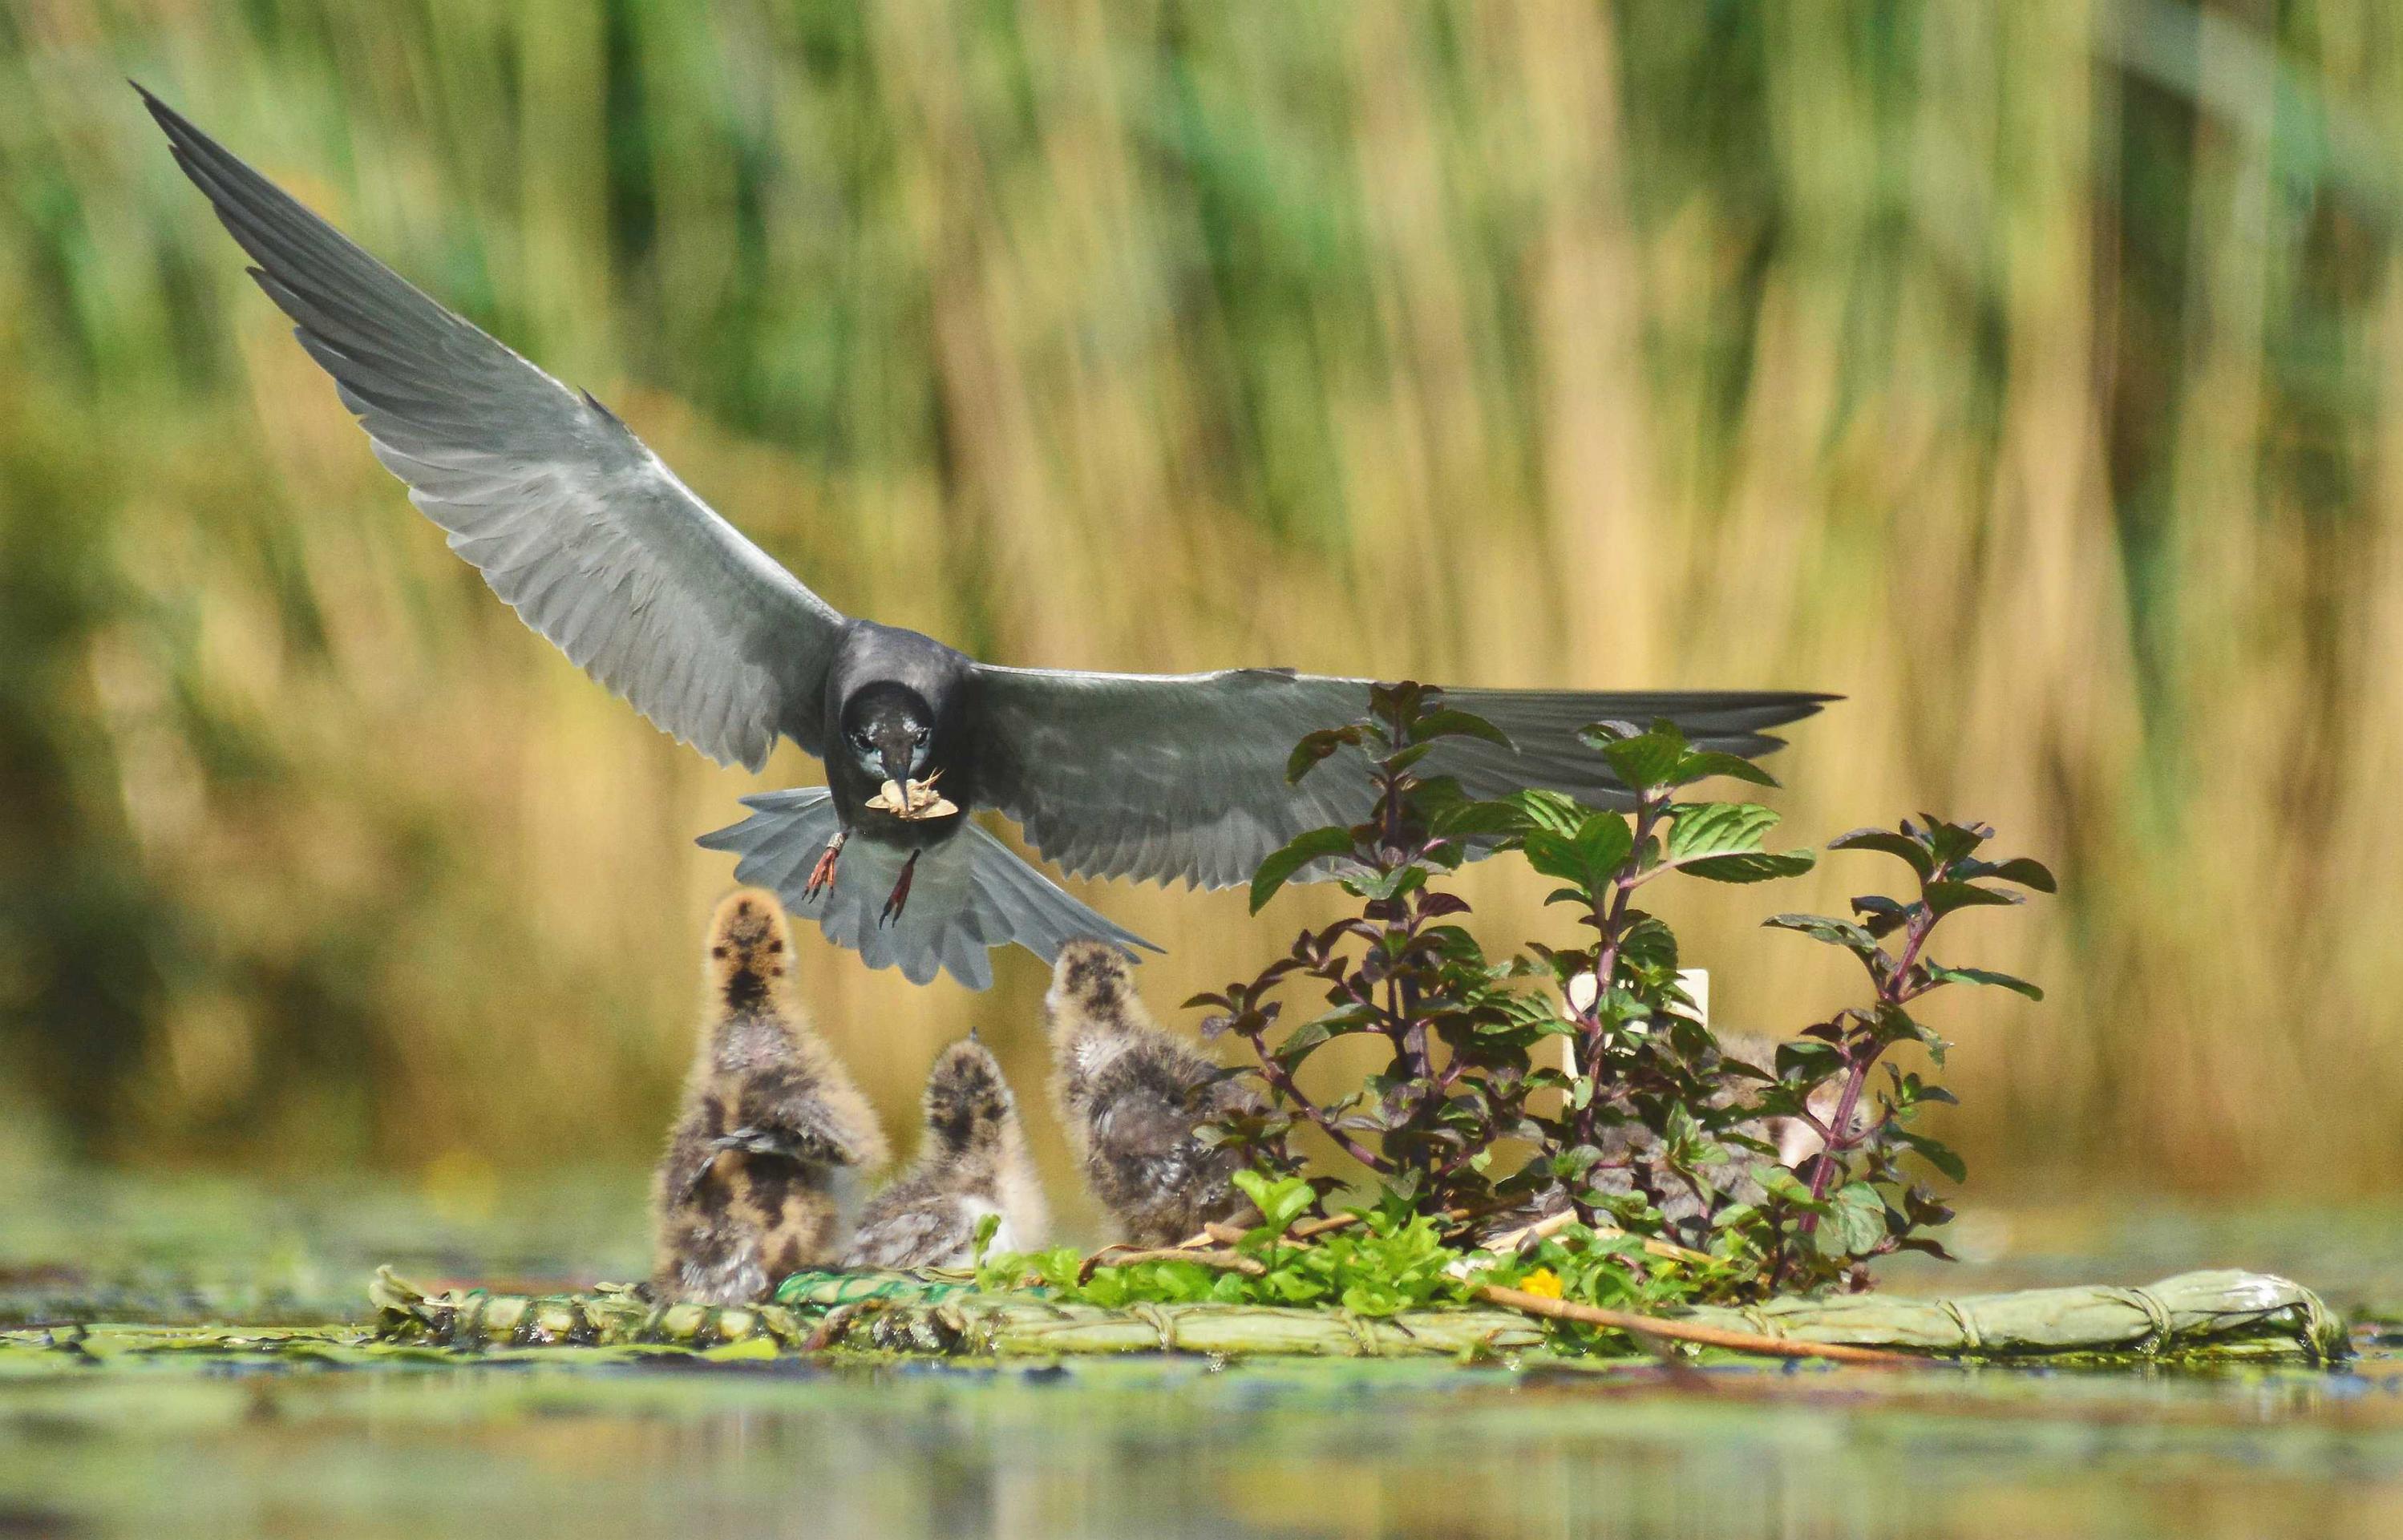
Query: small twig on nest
1220,1233
1687,1331
1668,1251
1127,1257
1312,1228
1217,1233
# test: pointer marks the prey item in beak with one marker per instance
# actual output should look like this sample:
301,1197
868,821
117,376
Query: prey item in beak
913,799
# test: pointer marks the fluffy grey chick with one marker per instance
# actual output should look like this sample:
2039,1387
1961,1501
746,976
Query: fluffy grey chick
1131,1096
773,1135
972,1161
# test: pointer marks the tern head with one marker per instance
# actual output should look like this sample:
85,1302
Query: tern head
889,730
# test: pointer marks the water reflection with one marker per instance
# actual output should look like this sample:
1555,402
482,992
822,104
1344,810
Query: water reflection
1180,1449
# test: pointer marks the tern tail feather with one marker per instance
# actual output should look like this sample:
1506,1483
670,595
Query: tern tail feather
969,894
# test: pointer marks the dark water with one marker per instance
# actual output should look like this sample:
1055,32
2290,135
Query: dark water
103,1441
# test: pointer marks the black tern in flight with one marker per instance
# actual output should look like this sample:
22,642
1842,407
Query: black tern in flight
581,530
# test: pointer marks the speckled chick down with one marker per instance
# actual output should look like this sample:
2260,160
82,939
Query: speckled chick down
772,1135
1130,1097
972,1161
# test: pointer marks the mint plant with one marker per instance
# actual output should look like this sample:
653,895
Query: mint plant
1852,1199
1654,1130
1456,1030
1653,1104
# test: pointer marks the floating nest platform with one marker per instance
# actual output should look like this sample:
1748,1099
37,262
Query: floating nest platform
2193,1318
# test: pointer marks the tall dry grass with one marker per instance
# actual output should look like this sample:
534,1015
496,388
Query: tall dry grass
2024,372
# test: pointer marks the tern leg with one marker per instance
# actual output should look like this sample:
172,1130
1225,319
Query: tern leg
900,891
822,875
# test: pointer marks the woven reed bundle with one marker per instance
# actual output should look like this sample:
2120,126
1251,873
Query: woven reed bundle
2219,1315
2197,1316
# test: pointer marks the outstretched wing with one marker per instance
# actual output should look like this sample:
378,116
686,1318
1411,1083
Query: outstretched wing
571,520
1164,776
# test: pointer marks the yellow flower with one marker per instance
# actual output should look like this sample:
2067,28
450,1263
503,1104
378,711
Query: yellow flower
1544,1282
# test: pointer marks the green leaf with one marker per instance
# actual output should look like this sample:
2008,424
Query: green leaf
1589,857
1302,1041
1950,841
1316,747
1648,760
1983,975
2026,873
1280,1201
1601,735
1858,1217
1756,866
1944,897
1888,840
1548,809
1462,820
1807,1060
1821,927
1647,943
1881,915
1449,723
1716,828
1281,865
1891,1025
1702,764
1721,841
1936,1153
1604,840
1386,885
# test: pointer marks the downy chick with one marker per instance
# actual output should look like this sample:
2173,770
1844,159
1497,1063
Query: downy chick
972,1161
1131,1096
772,1134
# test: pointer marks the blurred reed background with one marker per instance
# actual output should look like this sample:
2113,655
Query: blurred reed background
2023,371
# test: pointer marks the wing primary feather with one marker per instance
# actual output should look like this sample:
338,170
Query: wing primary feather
575,524
1158,777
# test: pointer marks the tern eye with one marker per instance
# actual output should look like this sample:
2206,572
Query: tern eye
861,739
920,735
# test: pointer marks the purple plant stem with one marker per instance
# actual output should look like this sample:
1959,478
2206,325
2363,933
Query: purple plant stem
1894,989
1610,922
1281,1078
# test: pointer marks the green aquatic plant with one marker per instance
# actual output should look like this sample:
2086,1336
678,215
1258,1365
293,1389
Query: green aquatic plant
1370,1260
1655,1116
1458,1033
1644,1090
1392,1259
1652,1128
1852,1199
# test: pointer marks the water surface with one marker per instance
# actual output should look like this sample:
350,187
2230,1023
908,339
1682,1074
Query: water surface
253,1441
